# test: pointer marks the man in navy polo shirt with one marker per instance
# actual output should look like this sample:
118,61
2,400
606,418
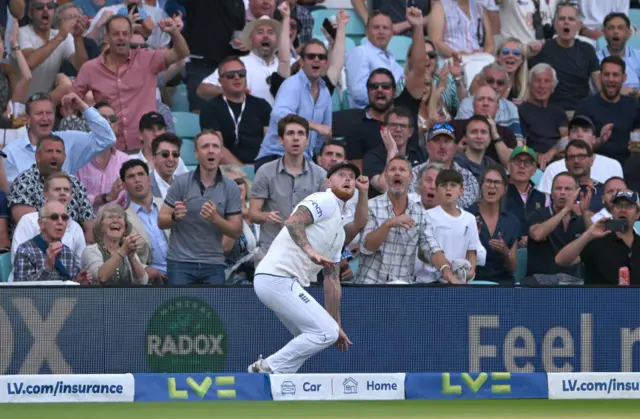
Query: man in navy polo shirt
554,227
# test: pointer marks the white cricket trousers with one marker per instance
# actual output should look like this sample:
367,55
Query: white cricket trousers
312,326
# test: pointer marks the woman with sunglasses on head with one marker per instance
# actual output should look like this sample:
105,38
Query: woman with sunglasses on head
113,260
511,55
498,228
239,252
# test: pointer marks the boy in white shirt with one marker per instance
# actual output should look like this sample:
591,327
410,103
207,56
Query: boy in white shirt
456,232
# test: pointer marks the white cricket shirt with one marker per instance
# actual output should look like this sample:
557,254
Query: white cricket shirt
326,236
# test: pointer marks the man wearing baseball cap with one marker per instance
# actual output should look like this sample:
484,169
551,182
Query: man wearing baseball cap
441,147
522,198
582,128
151,125
608,245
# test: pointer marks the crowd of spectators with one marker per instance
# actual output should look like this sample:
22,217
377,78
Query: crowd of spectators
509,128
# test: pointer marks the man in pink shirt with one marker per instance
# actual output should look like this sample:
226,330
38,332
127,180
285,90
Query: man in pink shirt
127,78
101,177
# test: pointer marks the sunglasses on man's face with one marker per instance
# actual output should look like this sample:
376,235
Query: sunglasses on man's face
383,86
431,55
499,82
166,153
55,216
40,6
136,45
111,118
232,74
311,57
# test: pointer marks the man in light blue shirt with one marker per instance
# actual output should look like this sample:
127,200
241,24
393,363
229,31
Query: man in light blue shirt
143,214
372,54
81,147
617,30
304,94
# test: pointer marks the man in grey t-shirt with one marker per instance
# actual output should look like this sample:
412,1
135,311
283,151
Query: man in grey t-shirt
200,207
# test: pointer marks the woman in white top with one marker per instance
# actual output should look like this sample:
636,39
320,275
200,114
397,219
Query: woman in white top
460,26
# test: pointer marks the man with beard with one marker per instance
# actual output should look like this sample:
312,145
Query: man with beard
604,251
554,227
365,131
395,135
617,31
312,239
261,37
579,160
477,138
397,231
610,107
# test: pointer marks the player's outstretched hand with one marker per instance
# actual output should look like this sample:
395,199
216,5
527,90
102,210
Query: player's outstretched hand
318,259
343,341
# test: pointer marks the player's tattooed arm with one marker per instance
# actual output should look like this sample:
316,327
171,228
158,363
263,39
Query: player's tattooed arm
332,291
297,224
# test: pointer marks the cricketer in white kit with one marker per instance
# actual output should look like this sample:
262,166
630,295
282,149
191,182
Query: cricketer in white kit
312,239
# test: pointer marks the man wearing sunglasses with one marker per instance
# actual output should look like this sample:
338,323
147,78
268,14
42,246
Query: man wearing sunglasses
46,49
57,188
152,125
166,157
45,257
241,119
495,76
373,54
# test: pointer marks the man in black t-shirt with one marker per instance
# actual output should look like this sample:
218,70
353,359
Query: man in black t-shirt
396,9
241,119
364,133
575,61
604,251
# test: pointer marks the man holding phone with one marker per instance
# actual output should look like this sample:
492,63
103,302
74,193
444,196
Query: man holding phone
608,245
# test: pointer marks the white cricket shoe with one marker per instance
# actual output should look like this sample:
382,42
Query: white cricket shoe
259,367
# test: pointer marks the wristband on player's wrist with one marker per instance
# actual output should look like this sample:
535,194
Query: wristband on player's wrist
445,266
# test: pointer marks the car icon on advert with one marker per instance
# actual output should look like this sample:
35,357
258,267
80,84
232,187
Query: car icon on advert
288,387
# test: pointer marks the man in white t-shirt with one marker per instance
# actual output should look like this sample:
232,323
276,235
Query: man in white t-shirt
46,49
455,230
582,128
312,239
57,187
261,36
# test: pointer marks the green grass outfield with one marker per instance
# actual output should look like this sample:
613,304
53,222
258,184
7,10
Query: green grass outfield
345,410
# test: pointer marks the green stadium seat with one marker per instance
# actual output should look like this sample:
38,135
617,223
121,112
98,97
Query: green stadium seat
522,265
483,283
180,99
249,170
636,227
399,46
187,124
536,177
355,26
634,17
5,266
188,154
335,101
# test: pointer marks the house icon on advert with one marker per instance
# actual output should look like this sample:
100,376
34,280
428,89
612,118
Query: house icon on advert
350,386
